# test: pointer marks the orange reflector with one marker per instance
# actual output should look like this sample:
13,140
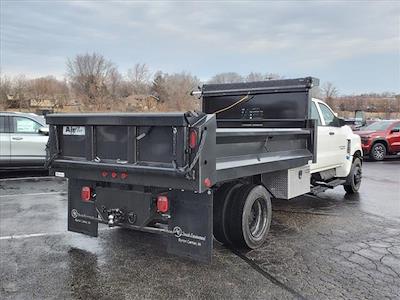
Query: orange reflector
193,139
124,175
162,204
85,193
207,182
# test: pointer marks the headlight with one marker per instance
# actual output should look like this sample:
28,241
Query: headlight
365,138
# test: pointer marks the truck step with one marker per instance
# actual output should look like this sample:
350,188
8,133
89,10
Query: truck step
323,186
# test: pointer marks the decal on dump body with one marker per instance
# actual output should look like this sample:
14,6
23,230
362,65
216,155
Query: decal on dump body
73,130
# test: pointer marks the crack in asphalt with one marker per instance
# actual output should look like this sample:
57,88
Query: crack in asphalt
266,274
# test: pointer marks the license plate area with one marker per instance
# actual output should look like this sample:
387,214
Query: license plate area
136,206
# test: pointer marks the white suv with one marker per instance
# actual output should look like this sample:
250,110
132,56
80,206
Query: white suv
23,138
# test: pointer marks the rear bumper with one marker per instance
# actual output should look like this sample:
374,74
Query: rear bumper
186,225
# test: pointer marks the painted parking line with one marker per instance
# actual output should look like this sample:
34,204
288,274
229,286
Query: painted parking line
33,194
29,178
24,236
33,235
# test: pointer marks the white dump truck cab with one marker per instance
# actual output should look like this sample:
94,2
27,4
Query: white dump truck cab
339,151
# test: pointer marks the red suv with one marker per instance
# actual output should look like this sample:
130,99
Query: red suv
380,138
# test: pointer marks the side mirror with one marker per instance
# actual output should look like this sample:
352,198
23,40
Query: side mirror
395,130
360,118
44,130
340,122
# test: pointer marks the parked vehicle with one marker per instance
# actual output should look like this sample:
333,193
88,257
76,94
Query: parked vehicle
190,176
23,139
380,139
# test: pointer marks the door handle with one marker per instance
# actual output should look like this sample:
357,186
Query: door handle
331,133
17,138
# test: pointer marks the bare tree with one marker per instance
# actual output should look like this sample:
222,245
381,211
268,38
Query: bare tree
5,90
20,87
114,83
89,75
329,93
228,77
139,76
173,91
256,76
329,90
48,89
179,86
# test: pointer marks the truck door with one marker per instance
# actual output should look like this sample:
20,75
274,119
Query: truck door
332,141
28,145
4,141
393,137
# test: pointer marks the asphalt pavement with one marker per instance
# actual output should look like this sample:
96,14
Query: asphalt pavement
332,246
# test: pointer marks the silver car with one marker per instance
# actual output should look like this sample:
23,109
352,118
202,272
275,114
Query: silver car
23,138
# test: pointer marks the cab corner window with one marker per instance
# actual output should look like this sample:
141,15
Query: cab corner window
315,114
327,114
25,125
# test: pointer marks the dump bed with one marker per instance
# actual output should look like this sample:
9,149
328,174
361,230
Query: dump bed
246,129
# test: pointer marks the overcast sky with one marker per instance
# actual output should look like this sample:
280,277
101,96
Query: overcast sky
355,45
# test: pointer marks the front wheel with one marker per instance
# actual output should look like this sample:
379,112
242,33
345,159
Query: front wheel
378,151
353,180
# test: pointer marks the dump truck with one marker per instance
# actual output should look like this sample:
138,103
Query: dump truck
192,176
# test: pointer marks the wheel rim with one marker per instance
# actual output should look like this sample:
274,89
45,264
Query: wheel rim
257,220
357,176
379,152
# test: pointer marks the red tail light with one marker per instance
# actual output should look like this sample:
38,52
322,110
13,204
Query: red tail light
124,175
193,139
114,174
85,193
207,182
162,204
104,173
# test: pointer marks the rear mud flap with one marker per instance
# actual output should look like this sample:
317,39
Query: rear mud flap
191,223
78,207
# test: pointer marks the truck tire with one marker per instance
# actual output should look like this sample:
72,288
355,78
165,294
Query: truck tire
222,200
353,180
250,217
378,152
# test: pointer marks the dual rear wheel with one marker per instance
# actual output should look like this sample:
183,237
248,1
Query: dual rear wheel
242,215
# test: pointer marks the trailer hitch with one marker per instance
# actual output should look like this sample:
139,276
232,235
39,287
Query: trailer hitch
115,216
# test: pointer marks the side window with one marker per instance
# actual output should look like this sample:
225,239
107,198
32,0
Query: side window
2,124
25,125
315,113
396,126
327,114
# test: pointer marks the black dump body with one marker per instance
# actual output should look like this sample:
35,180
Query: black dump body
129,159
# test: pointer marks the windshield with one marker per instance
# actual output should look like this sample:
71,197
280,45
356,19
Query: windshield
40,119
378,126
